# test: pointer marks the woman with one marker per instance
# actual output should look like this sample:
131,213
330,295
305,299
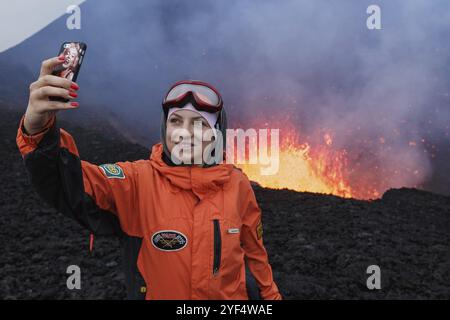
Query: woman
190,230
71,56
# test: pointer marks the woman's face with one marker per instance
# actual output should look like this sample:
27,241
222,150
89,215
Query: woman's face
70,57
180,135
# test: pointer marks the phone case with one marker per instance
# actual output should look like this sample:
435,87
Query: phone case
74,53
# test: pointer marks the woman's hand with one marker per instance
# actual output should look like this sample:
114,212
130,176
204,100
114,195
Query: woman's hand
40,109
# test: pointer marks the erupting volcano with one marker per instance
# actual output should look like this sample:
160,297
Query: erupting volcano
303,168
315,164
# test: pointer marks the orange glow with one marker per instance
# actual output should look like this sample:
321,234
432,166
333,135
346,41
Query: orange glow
303,169
307,168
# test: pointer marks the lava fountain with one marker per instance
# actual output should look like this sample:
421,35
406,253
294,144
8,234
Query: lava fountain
308,167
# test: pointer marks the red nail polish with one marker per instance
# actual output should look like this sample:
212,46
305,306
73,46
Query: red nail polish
74,104
74,86
61,58
73,94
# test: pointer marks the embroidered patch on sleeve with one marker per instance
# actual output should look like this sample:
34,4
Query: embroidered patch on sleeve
112,171
259,230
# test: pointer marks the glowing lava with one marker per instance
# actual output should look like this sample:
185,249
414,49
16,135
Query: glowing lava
302,168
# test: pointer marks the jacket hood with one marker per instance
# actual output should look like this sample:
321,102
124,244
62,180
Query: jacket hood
200,180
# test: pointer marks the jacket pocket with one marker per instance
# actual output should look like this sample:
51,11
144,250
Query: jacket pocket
217,247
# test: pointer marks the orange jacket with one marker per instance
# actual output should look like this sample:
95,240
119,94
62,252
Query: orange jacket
197,224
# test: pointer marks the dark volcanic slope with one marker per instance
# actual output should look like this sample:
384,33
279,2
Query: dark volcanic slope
319,246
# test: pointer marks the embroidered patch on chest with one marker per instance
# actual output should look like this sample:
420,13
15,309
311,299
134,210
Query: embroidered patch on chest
112,171
169,240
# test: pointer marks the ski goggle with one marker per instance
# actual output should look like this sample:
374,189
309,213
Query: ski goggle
205,96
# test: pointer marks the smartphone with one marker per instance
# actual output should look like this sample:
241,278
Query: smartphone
74,53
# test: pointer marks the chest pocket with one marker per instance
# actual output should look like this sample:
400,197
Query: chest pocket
228,255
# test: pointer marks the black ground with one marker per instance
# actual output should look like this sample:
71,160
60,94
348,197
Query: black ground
319,246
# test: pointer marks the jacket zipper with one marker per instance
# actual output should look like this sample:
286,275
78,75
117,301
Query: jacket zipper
217,246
